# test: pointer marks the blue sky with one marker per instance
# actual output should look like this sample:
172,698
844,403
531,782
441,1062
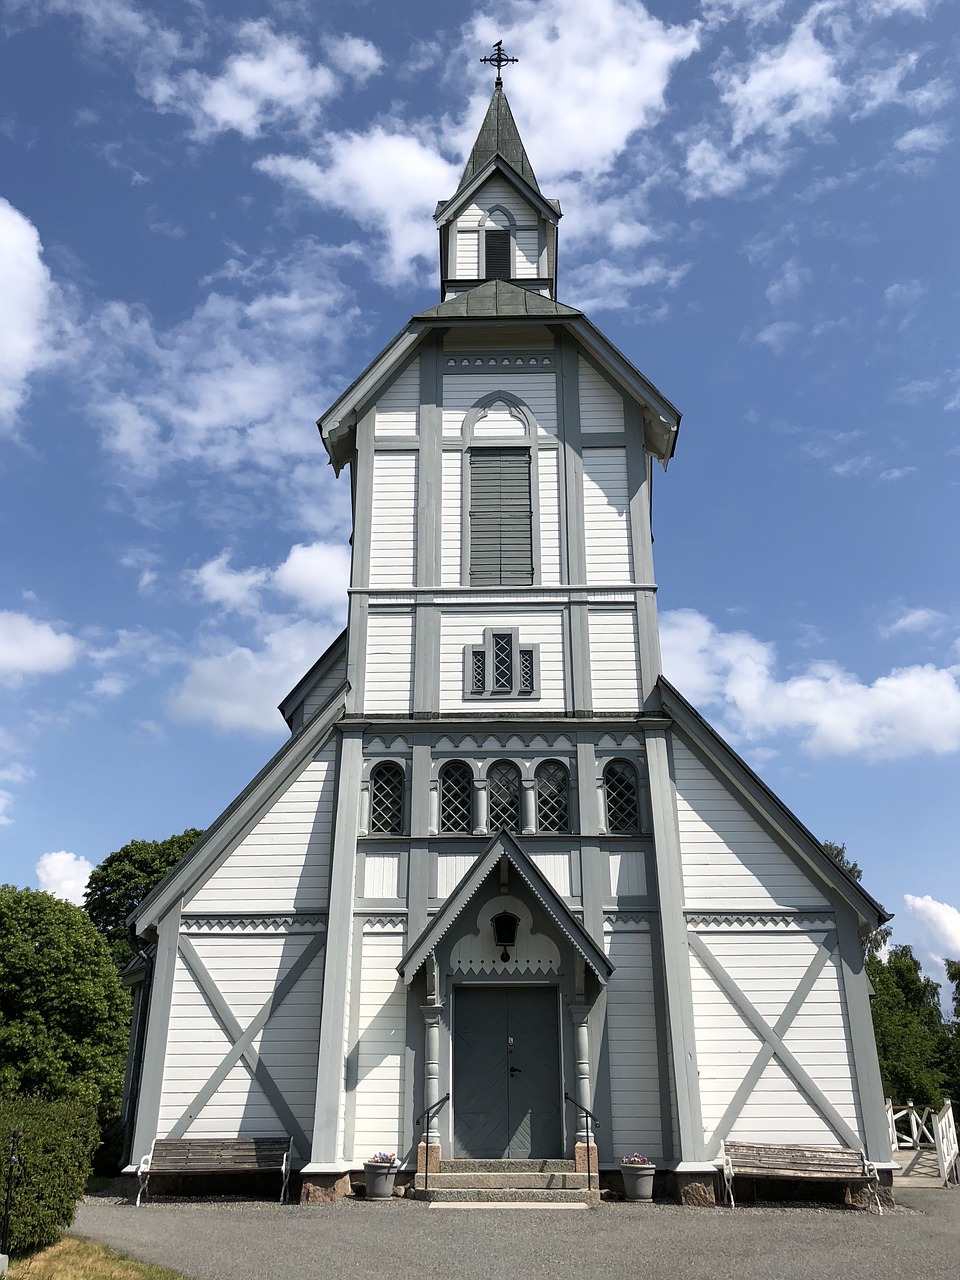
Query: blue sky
212,216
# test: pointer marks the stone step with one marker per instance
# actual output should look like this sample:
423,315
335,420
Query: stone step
507,1166
502,1195
565,1181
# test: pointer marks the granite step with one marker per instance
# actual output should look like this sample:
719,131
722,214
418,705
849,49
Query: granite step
507,1166
565,1181
502,1195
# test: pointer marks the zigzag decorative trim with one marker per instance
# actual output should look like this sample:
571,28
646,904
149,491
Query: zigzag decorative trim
613,918
391,923
794,920
293,923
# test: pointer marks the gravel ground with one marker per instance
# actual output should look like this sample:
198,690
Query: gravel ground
251,1240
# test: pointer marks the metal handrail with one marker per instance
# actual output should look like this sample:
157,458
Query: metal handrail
596,1124
434,1106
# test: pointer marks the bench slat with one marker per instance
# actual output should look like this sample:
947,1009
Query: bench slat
793,1161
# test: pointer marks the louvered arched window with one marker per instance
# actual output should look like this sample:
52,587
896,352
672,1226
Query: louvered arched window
621,791
456,797
386,798
503,793
553,797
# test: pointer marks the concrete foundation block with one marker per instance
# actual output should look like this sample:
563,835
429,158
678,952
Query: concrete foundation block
580,1158
428,1157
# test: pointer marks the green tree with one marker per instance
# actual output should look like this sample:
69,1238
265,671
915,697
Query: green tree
877,940
63,1010
952,1066
912,1042
122,881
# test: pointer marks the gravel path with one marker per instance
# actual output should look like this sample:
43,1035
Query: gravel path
252,1240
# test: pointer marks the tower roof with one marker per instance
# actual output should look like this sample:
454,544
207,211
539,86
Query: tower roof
499,136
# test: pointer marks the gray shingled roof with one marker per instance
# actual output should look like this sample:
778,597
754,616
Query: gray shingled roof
499,135
498,298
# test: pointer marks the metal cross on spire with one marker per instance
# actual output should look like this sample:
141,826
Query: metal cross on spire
498,60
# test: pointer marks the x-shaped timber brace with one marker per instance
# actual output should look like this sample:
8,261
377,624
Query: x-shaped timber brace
241,1040
772,1045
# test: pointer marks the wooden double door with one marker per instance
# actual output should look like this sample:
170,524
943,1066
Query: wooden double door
506,1073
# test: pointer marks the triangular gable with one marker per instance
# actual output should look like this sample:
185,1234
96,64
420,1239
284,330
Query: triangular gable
766,806
449,210
504,846
239,817
334,653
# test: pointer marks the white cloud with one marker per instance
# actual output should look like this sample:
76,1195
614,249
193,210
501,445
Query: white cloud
237,687
925,138
29,648
712,172
940,922
855,466
6,800
608,286
779,334
910,711
316,576
64,875
897,473
355,57
237,589
26,317
913,621
904,293
789,283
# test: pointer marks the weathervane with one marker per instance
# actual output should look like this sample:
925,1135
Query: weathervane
498,60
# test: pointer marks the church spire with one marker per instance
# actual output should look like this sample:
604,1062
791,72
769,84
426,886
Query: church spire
499,136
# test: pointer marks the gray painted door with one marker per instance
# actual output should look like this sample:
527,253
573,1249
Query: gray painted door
506,1073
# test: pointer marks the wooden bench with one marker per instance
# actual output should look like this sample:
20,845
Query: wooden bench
823,1164
216,1155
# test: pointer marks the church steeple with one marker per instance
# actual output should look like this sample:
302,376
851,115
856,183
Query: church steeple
497,225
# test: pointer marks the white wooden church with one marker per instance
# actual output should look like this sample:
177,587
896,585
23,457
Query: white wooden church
500,861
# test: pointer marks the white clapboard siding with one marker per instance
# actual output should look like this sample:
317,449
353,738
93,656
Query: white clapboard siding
398,408
461,629
501,337
631,1033
601,407
768,967
628,875
393,528
381,1045
549,483
389,663
527,265
498,192
324,688
283,864
614,659
380,875
499,420
451,516
246,970
468,255
728,859
451,868
606,516
538,391
554,867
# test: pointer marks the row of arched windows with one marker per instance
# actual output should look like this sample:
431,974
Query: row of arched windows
622,798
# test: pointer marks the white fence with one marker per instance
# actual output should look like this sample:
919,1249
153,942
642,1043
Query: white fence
912,1128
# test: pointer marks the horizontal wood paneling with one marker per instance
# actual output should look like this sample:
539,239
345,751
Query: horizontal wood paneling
381,1046
323,689
527,265
601,407
459,629
606,516
389,665
614,659
499,337
499,421
398,409
538,391
393,530
632,1045
549,484
451,516
728,859
468,256
284,862
498,192
246,971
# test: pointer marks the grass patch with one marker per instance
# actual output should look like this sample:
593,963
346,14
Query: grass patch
73,1259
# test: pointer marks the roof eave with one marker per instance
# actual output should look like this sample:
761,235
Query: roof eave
448,210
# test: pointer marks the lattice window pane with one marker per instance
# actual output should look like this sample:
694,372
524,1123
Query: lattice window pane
456,798
479,671
553,790
503,661
526,670
386,799
620,785
503,791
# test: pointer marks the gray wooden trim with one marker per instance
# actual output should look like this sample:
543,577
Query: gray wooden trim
758,1023
242,1041
429,481
611,439
648,630
338,423
362,533
568,426
678,986
767,1050
330,1073
876,1135
594,873
158,1027
662,1018
351,1074
426,660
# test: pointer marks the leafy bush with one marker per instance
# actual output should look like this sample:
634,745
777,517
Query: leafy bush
53,1161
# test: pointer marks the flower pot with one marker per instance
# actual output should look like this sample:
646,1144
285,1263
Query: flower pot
379,1180
638,1181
